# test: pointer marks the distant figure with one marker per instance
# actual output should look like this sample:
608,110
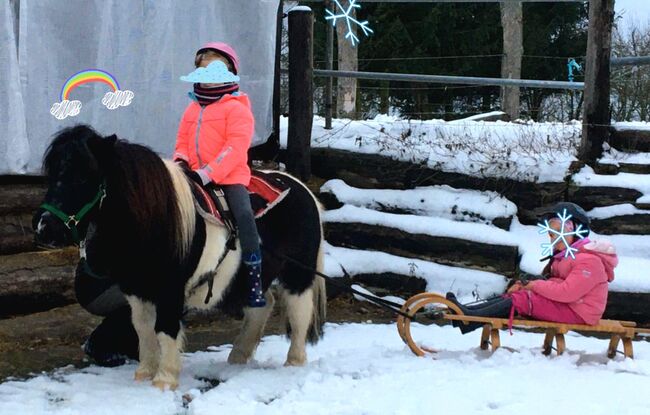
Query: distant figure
574,293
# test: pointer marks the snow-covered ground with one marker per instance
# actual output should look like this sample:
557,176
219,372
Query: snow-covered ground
362,369
536,152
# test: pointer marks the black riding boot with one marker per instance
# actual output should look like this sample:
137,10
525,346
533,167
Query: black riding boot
253,264
114,341
498,307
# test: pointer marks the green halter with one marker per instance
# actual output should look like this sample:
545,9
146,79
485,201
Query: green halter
71,221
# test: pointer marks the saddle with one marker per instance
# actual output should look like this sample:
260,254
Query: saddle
266,192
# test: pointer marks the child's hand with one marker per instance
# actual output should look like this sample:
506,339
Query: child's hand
515,287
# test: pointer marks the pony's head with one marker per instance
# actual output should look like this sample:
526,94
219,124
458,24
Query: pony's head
75,186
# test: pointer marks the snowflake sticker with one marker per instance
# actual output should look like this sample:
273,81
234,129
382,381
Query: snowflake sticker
547,248
349,20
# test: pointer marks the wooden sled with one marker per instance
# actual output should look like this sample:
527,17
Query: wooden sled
618,331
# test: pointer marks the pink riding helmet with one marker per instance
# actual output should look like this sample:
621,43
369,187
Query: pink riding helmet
224,49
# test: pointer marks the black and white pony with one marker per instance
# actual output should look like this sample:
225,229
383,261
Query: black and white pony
148,236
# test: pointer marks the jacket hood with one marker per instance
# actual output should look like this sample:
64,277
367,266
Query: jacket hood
606,251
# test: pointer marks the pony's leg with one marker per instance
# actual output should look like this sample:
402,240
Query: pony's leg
251,331
171,340
143,316
299,309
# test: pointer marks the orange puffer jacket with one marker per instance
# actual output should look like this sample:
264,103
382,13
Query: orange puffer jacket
214,139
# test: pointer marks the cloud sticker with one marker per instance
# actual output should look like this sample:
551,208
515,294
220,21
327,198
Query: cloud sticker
65,108
215,73
117,99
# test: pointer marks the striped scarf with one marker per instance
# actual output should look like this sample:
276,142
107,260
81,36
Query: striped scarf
207,96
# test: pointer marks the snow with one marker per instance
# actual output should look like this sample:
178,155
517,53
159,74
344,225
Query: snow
465,283
300,9
586,177
478,117
615,157
616,210
362,290
536,152
631,125
421,225
441,201
363,369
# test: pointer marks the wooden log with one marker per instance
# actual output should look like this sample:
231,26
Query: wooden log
37,281
630,140
501,259
378,172
597,119
591,197
330,201
628,306
624,224
20,198
301,68
16,234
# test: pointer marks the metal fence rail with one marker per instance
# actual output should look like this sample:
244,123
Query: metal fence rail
444,79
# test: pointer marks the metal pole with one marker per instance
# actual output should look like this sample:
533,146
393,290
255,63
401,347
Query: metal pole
444,79
630,60
329,57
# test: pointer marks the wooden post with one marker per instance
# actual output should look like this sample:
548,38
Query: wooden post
301,72
329,57
596,118
513,49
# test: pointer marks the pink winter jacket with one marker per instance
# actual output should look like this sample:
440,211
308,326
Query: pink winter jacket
582,283
214,139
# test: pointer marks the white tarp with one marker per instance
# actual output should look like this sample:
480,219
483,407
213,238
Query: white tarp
146,45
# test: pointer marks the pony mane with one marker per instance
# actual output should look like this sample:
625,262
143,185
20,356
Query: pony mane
63,141
151,195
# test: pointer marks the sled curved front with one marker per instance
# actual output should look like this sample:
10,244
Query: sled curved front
411,307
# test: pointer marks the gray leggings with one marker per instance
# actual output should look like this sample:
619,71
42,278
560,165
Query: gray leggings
240,204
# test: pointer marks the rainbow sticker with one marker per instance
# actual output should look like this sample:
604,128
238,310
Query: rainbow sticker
88,76
113,99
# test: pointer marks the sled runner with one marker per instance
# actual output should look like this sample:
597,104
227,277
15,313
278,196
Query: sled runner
441,308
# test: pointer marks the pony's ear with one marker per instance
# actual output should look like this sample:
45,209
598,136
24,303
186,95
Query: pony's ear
111,139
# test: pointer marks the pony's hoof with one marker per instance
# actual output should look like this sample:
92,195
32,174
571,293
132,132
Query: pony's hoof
237,358
142,374
295,362
162,385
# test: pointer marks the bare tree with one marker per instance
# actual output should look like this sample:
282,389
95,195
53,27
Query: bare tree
513,49
347,61
631,84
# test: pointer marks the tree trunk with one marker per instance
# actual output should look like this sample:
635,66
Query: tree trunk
513,49
597,118
347,61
